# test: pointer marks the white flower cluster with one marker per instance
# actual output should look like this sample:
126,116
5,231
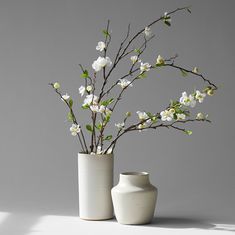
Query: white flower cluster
100,151
83,89
101,62
123,83
192,99
143,116
92,102
186,100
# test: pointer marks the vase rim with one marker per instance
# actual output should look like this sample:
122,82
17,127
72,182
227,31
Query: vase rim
95,155
135,173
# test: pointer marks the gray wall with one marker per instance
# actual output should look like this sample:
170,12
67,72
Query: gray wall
43,41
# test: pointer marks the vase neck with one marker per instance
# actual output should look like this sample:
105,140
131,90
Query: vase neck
134,178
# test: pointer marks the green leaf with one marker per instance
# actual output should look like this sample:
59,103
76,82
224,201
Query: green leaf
70,117
149,114
142,75
137,51
107,102
85,74
99,126
175,104
89,128
86,106
107,118
167,22
105,32
183,73
109,137
70,103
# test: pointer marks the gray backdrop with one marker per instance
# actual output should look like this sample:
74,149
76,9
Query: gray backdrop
43,41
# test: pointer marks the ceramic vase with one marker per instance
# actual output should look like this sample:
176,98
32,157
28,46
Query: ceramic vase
134,198
95,181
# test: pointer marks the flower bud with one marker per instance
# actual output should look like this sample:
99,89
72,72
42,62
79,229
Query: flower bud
210,92
56,85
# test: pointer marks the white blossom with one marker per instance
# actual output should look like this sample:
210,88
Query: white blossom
167,115
100,63
109,150
108,61
201,116
142,115
100,46
124,83
99,150
89,88
107,111
102,109
135,59
82,90
187,100
75,129
90,99
144,67
65,97
94,108
200,96
120,125
160,60
147,32
180,116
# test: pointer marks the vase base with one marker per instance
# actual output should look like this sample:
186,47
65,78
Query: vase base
94,219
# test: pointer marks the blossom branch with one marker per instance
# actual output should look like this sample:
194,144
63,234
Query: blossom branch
152,23
191,72
81,138
131,71
171,125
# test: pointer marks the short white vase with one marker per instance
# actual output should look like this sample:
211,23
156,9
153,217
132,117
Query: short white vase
134,198
95,180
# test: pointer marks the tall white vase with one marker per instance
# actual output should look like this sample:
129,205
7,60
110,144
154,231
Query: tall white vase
134,198
95,179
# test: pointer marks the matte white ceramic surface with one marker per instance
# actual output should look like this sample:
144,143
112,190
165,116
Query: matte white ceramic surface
95,179
134,198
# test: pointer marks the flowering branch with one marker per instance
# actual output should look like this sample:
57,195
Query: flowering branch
171,125
101,109
69,105
191,72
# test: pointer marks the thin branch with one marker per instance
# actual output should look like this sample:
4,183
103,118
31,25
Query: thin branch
84,149
170,125
152,23
189,71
